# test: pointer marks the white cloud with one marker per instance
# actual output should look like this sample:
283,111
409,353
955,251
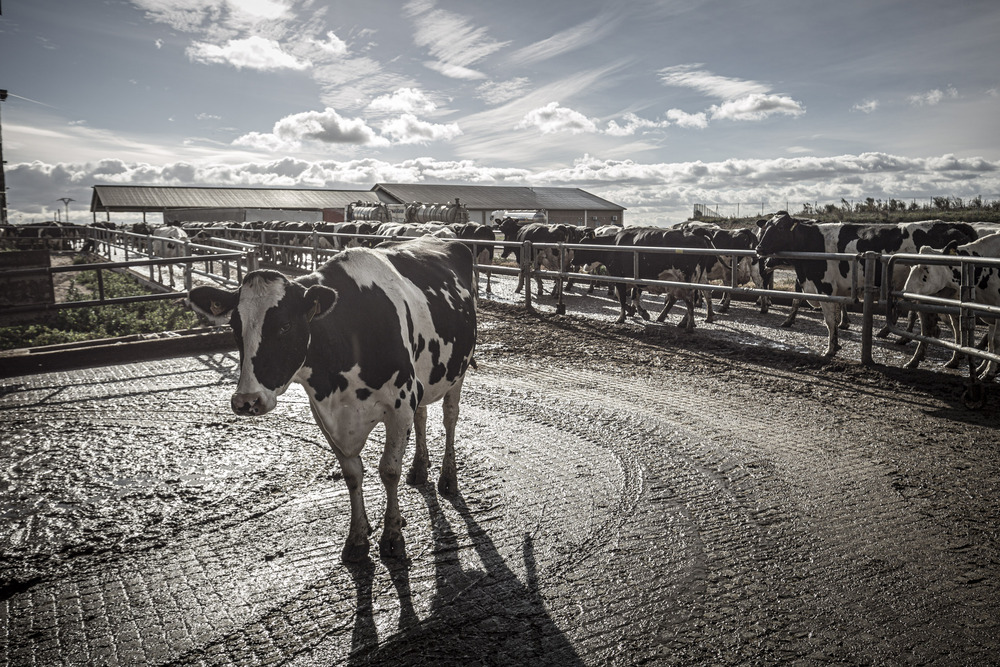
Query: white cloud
577,37
689,120
756,106
498,92
652,192
553,118
331,46
868,106
932,97
713,85
252,53
158,43
633,124
408,129
453,42
327,127
403,100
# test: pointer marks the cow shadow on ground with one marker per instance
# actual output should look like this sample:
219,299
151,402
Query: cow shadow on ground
480,616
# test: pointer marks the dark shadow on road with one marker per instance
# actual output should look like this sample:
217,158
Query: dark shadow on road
479,615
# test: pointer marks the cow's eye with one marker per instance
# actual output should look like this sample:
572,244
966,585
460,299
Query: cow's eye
285,328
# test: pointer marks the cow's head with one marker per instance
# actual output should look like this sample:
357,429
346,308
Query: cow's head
270,317
780,233
934,278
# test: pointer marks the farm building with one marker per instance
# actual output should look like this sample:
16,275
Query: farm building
571,206
204,204
207,204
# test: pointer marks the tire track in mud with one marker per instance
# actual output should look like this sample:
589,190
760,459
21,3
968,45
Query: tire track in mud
800,543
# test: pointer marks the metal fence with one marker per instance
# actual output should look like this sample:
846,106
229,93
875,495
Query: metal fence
225,261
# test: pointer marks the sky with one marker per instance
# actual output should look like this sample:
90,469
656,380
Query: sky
655,105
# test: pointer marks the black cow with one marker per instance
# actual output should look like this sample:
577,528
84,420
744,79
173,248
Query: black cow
544,258
677,267
373,335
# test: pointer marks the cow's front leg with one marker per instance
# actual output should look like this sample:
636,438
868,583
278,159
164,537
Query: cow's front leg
357,545
421,461
637,304
688,322
389,469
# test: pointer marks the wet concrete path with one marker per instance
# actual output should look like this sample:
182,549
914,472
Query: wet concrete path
684,511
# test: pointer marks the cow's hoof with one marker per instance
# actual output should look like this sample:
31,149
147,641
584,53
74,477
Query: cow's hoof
391,546
786,324
644,315
355,553
447,485
974,397
417,475
911,364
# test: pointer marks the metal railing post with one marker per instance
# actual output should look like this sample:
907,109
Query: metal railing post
315,243
526,262
188,266
966,316
560,306
868,324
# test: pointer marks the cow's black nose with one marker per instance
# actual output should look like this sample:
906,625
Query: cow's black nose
246,404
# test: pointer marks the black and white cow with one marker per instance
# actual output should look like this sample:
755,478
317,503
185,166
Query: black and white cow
373,335
946,280
544,258
677,267
783,233
595,260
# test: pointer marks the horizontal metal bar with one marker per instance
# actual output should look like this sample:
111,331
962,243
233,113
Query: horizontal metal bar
972,351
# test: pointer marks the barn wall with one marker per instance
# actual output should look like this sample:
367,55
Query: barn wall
586,218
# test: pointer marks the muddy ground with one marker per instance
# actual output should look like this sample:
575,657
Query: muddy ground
629,494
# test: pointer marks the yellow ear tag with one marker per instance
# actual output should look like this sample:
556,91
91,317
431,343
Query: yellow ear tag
314,311
795,224
217,308
952,251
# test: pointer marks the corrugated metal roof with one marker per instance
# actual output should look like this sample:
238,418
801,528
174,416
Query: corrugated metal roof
486,197
137,198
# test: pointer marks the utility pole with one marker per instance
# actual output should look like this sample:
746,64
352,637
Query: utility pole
66,201
3,183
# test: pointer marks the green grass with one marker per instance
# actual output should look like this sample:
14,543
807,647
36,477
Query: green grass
94,322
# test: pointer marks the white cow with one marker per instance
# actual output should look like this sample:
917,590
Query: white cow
168,241
946,280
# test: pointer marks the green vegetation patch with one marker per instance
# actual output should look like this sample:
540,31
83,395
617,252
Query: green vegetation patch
93,322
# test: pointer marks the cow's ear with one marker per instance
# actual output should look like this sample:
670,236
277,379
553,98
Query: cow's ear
215,304
319,301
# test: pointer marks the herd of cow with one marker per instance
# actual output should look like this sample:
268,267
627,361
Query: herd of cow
292,245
